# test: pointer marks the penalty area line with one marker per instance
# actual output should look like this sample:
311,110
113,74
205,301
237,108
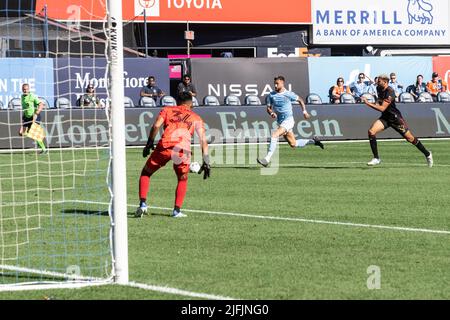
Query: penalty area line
316,221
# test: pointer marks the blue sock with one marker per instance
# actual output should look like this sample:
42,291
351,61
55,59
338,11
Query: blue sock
303,142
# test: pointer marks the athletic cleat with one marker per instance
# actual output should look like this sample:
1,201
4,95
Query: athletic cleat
319,143
430,160
178,214
374,162
263,162
44,152
141,211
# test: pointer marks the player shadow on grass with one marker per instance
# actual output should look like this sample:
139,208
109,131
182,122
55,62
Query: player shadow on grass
150,214
85,212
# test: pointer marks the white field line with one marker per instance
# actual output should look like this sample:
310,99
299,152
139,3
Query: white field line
253,216
348,224
177,291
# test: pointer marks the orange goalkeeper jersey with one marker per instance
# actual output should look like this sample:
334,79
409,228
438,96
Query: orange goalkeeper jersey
179,125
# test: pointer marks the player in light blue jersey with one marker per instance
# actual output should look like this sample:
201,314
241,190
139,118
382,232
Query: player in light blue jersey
279,106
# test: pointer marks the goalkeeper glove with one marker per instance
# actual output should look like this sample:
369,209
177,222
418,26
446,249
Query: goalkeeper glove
149,146
206,168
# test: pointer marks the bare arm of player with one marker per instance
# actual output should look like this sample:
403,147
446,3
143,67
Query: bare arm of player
306,115
38,111
151,138
376,106
270,112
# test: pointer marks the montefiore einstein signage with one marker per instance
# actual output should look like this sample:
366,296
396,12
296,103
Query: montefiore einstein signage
387,22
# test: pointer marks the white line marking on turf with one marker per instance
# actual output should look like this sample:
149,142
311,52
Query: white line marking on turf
349,224
244,215
177,291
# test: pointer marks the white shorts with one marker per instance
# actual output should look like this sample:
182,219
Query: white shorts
288,124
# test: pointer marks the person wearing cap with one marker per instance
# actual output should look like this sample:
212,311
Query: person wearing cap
436,85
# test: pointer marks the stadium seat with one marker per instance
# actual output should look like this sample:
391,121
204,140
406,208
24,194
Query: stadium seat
425,97
62,103
128,103
15,103
211,101
443,97
147,102
45,102
167,101
195,102
232,101
369,97
406,97
347,98
252,100
313,98
2,106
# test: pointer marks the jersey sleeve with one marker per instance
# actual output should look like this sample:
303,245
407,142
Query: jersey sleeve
390,95
269,100
163,114
292,96
36,100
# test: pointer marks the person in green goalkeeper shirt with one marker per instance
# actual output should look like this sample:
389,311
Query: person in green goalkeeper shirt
31,108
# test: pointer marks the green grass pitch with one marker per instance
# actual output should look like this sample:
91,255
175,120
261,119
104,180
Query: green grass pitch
244,236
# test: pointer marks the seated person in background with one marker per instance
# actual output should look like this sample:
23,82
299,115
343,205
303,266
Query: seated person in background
372,88
151,89
436,85
360,86
89,99
338,90
186,86
393,83
418,87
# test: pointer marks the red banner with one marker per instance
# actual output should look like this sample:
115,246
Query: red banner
214,11
441,65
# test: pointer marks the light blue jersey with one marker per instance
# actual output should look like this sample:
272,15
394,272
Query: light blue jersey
281,103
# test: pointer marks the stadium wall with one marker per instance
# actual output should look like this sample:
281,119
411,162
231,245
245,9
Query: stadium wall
224,124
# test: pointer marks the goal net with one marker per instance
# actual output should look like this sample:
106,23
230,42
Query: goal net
56,192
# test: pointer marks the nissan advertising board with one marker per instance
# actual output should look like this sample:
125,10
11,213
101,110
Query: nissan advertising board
386,22
242,77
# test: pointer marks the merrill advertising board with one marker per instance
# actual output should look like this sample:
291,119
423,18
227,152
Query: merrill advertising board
400,22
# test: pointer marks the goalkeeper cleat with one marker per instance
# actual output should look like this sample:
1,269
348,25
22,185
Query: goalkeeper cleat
43,152
430,160
374,162
141,211
178,214
263,162
319,143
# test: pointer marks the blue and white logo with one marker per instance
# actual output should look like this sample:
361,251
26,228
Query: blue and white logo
420,11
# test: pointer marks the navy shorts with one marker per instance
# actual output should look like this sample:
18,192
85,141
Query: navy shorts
27,122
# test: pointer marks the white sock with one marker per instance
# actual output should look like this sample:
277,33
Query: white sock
304,142
272,148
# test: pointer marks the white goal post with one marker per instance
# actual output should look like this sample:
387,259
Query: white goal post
55,229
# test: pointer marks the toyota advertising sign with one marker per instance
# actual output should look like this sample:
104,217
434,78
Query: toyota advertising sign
386,22
214,11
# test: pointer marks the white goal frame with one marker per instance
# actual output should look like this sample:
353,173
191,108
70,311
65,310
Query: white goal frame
117,172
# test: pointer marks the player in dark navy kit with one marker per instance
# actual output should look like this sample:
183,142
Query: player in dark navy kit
390,117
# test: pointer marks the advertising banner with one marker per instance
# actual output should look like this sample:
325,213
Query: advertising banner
441,65
14,72
74,74
214,11
84,127
386,22
241,77
324,71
